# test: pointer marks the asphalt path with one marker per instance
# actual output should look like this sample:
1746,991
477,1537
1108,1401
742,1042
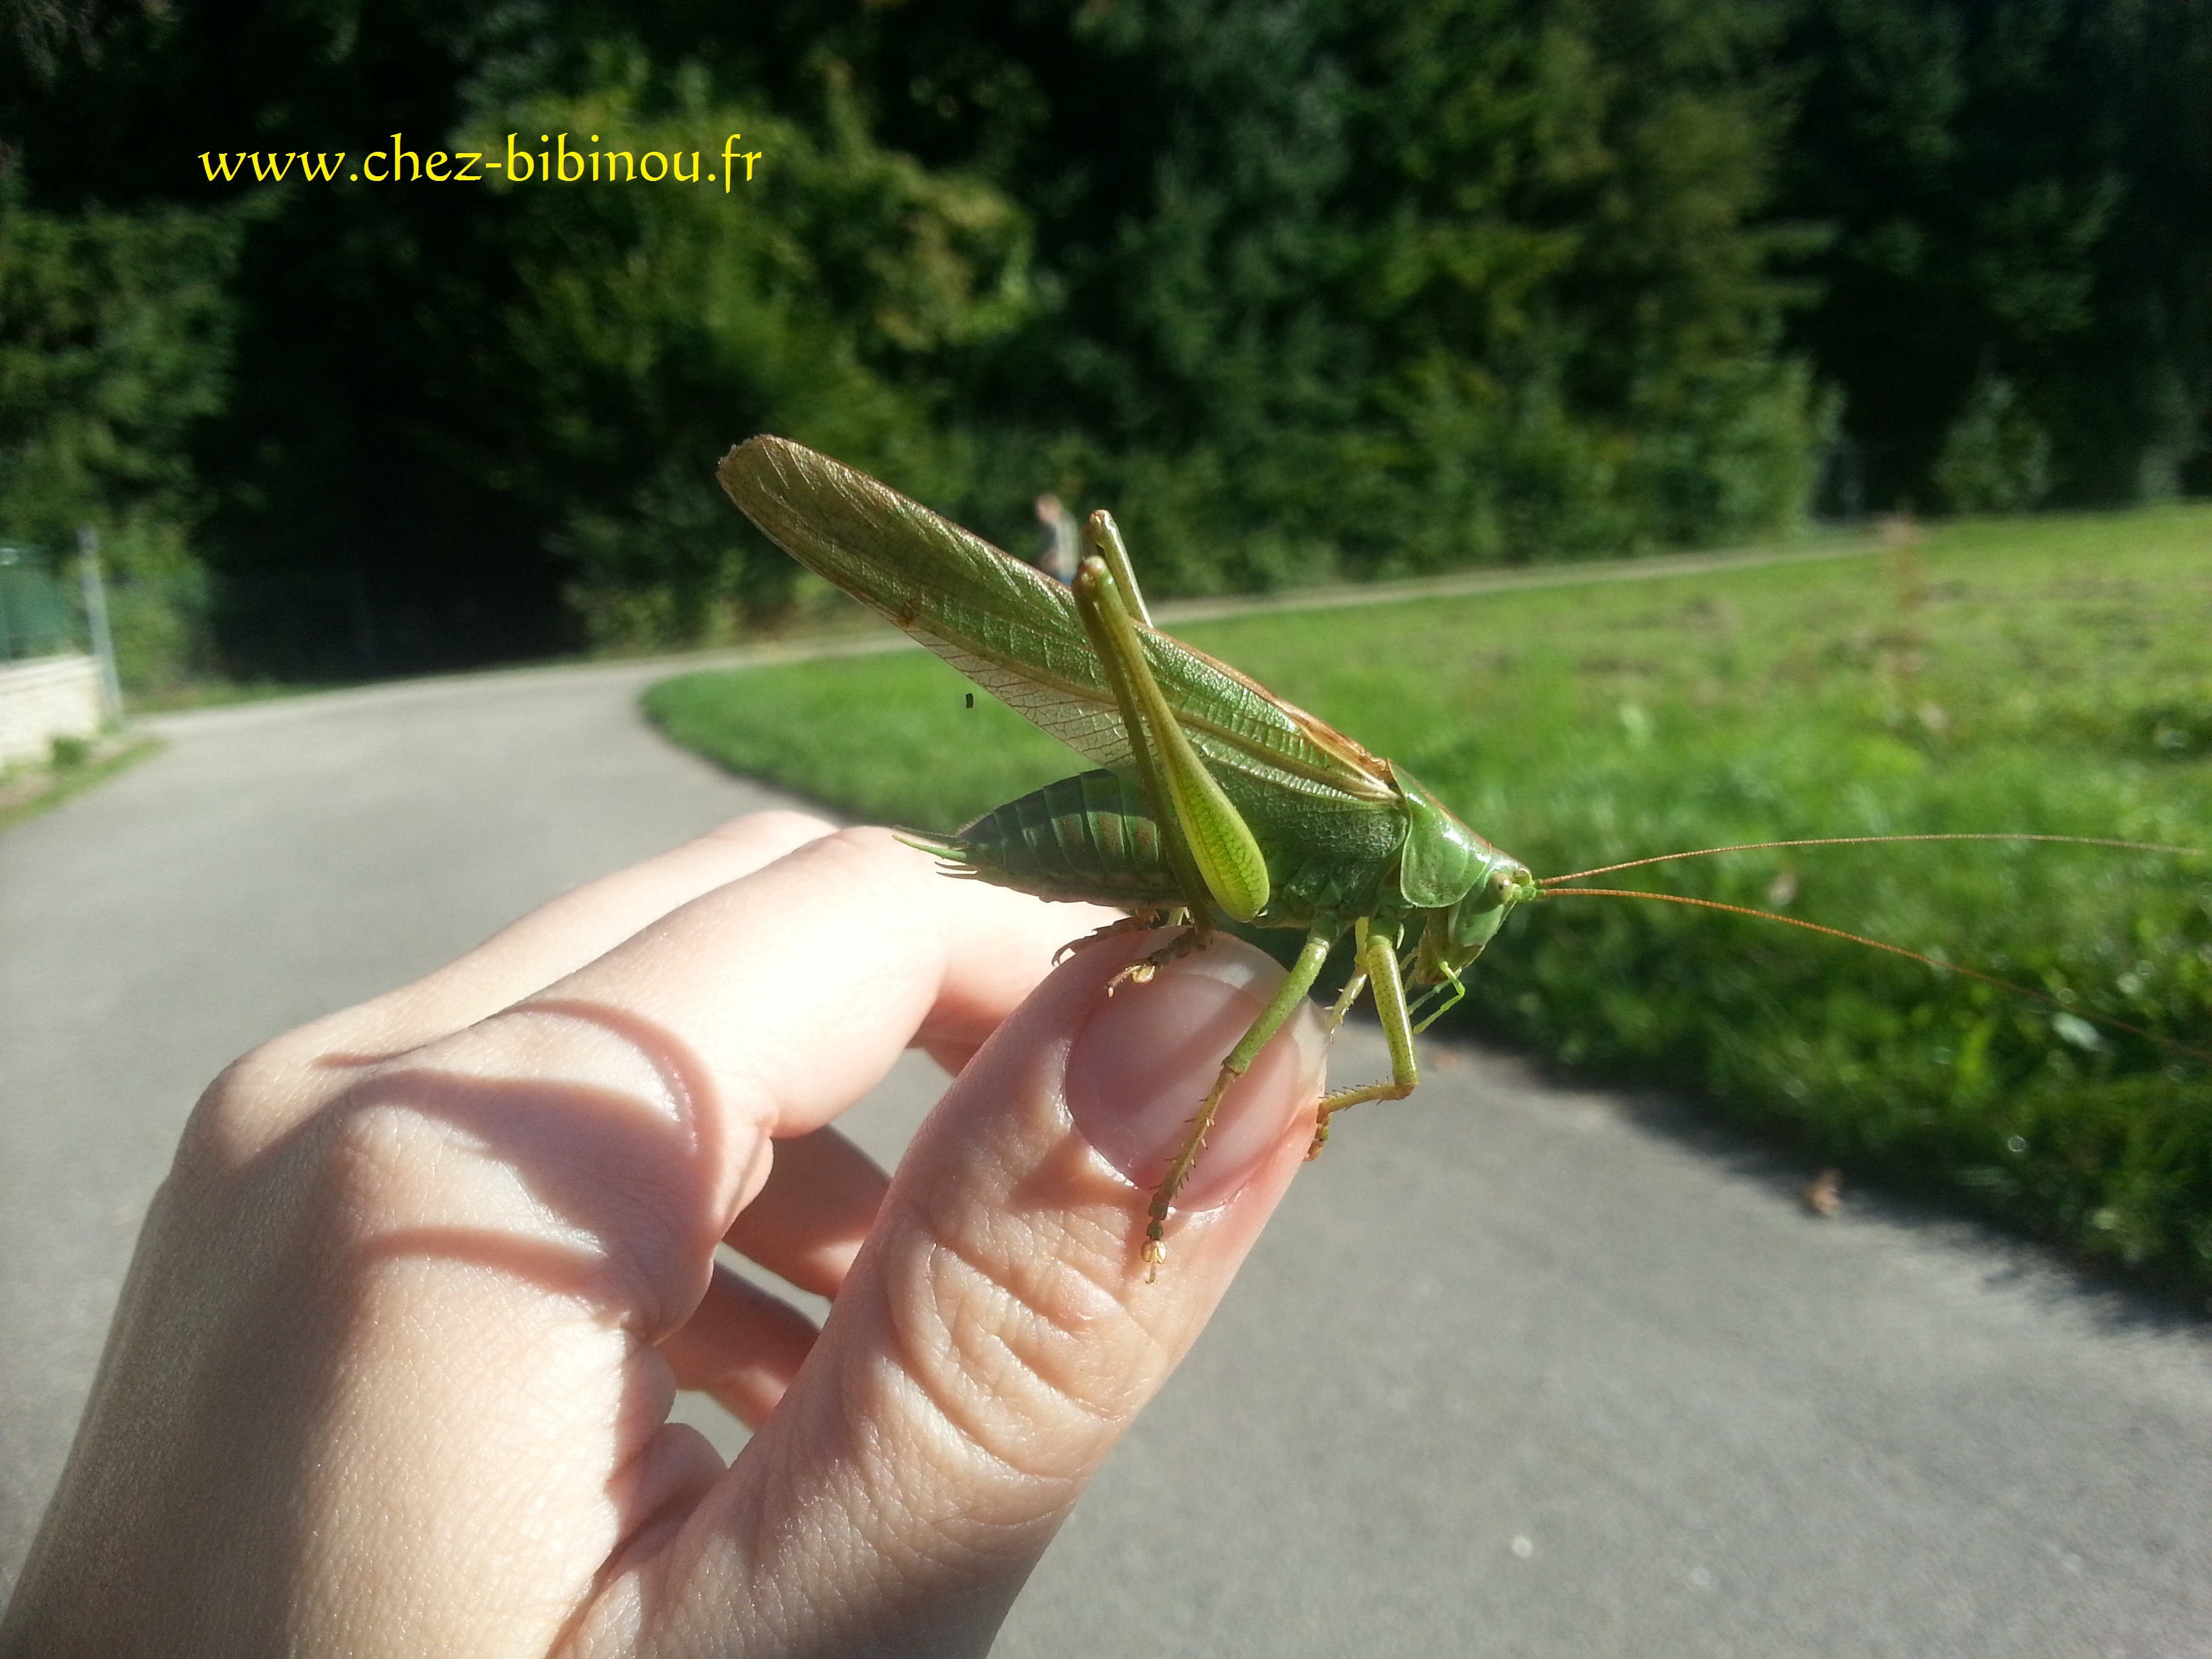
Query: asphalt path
1521,1369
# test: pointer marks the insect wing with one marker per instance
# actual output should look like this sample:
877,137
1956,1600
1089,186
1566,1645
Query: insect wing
1015,632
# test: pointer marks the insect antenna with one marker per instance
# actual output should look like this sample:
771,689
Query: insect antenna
1551,892
1875,841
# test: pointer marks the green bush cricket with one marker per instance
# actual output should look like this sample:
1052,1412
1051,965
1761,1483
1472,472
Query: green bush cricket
1214,801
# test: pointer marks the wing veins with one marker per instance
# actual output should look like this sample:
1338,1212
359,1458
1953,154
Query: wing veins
937,582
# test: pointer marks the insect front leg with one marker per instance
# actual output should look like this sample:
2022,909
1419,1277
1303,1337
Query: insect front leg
1377,961
1311,955
1353,986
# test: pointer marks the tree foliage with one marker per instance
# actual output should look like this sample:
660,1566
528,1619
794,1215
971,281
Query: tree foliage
2021,197
114,341
111,344
1299,287
1352,284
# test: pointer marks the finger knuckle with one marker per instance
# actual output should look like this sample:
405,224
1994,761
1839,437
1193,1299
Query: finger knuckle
1029,1357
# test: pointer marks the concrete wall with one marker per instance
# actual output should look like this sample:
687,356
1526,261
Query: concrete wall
43,699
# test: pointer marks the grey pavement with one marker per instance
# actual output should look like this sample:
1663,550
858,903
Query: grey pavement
1521,1370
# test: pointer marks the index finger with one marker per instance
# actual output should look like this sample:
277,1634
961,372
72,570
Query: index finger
798,987
555,939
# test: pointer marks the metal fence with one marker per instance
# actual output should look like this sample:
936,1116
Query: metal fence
38,617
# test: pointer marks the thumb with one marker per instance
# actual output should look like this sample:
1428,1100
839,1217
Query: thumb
997,1334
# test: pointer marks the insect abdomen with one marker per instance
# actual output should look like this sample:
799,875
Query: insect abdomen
1091,837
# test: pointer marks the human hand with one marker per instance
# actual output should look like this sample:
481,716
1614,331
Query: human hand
392,1367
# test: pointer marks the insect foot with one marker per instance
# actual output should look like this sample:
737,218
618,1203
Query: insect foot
1143,922
1140,971
1156,1249
1136,973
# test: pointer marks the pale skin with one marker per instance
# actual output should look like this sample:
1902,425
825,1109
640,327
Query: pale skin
391,1371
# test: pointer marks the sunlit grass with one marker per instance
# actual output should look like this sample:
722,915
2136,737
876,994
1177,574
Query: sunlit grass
2052,676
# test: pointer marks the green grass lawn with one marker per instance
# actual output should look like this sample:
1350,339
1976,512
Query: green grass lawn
2051,676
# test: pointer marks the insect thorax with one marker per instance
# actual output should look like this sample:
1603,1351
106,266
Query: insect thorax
1443,860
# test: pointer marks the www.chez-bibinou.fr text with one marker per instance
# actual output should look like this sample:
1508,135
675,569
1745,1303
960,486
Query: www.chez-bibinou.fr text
558,164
